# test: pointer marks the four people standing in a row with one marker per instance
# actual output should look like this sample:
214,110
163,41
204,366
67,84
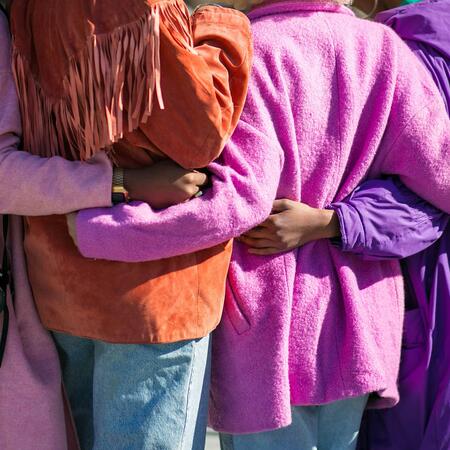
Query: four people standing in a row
311,330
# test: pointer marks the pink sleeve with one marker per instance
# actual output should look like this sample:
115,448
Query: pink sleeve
416,143
245,181
31,185
244,187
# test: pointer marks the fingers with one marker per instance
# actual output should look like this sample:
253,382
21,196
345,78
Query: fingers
281,205
269,224
260,246
193,181
198,178
256,243
258,233
193,191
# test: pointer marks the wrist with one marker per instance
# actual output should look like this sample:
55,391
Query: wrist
119,191
127,181
330,227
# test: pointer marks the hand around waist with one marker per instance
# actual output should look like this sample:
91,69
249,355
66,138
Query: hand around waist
291,224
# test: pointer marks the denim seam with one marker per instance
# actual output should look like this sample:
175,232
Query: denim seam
317,437
198,296
188,396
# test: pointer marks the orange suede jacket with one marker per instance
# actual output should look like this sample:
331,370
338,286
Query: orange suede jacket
197,69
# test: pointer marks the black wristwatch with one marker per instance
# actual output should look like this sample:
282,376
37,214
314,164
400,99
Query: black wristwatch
119,193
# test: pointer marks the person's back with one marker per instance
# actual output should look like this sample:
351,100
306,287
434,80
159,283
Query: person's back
332,81
420,420
332,101
143,78
335,99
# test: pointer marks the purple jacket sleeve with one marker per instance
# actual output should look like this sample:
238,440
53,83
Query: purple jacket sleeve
31,185
383,219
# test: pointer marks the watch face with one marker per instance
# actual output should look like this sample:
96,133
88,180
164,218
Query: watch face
118,197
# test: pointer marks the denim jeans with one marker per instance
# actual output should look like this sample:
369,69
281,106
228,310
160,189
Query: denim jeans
137,397
326,427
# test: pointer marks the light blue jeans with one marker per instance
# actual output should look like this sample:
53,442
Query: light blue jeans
327,427
137,397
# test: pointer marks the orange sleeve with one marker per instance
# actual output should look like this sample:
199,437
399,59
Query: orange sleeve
205,69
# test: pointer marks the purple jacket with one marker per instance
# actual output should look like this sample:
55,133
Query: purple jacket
316,324
383,219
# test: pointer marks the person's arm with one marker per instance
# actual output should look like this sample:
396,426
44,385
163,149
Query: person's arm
205,69
388,221
416,142
383,219
244,185
30,185
291,224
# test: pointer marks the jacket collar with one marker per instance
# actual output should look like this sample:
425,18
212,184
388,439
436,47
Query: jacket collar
289,6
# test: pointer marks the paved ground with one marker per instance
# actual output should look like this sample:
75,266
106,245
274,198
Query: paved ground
212,441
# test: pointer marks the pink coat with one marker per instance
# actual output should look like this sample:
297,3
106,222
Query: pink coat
333,100
31,406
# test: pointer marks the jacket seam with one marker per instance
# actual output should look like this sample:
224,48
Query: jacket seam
393,239
401,132
335,174
338,93
188,394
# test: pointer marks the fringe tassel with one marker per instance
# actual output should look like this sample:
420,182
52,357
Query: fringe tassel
110,87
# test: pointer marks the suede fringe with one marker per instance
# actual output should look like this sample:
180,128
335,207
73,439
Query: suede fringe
110,87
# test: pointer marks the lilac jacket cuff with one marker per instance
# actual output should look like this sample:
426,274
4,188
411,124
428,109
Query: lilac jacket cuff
383,219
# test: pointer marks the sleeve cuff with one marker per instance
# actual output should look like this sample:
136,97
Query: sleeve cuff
88,242
340,241
352,230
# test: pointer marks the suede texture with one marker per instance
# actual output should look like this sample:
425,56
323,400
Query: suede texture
202,65
151,302
205,65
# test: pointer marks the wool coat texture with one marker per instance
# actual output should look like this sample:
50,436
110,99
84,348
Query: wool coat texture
333,101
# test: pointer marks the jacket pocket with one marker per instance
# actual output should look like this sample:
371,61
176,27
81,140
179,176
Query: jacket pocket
414,349
234,312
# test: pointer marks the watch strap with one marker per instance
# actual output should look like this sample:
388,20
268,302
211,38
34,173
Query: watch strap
119,193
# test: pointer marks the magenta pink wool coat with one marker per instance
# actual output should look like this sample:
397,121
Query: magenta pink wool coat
333,100
31,406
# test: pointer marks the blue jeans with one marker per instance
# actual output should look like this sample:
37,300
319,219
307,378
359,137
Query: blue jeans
327,427
137,397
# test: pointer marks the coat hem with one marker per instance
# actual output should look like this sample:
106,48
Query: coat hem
150,339
372,388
